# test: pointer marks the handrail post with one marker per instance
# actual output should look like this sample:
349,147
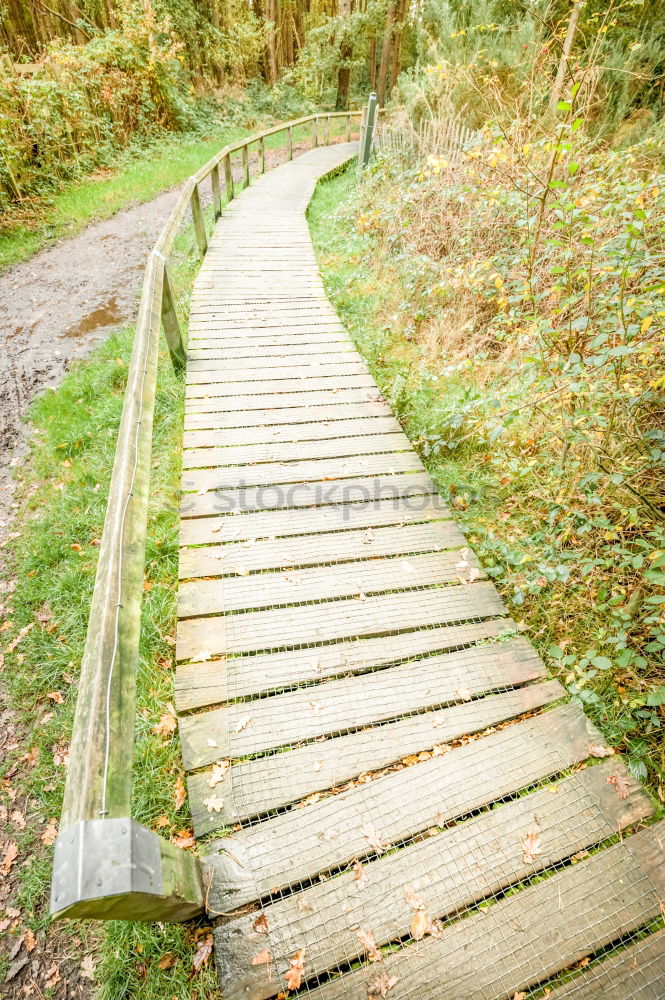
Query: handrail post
262,155
198,219
228,177
368,133
170,322
245,164
289,143
326,132
216,191
347,134
315,131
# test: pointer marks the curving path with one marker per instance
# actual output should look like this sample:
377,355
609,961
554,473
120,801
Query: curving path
410,809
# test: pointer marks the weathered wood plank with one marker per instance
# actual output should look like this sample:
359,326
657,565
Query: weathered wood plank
410,487
249,631
317,767
530,936
636,972
306,471
338,706
318,367
275,450
309,398
322,430
261,860
322,347
241,592
579,812
304,383
328,415
304,550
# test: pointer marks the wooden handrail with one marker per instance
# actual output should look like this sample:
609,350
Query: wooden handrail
107,865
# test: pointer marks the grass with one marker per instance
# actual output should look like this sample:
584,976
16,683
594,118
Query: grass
501,493
64,488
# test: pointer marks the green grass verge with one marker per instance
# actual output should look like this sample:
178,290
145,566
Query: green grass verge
64,489
503,494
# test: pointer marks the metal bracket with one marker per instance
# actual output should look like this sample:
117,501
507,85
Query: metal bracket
118,869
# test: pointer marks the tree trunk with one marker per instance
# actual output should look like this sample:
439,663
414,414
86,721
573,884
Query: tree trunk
372,63
561,72
382,80
271,41
345,53
397,46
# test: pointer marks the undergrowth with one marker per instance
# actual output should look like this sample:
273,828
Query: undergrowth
535,405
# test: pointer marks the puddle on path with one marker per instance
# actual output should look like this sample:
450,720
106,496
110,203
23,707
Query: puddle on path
110,314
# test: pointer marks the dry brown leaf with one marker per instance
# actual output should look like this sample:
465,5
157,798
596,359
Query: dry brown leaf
215,803
184,839
373,837
242,723
202,656
203,952
359,875
52,977
464,694
50,833
380,986
260,925
18,819
166,726
621,785
167,961
56,697
531,846
30,940
162,821
519,996
368,941
596,751
263,958
218,771
21,635
412,899
8,859
179,793
419,923
293,976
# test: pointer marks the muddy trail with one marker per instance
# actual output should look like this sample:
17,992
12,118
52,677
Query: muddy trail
56,306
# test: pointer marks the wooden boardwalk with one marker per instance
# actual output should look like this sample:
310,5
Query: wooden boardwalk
407,809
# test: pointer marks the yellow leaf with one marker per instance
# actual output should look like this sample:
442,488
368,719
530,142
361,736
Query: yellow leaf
646,323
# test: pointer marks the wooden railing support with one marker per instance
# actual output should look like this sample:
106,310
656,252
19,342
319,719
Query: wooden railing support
326,132
315,132
216,191
228,177
347,131
368,132
199,221
170,321
106,865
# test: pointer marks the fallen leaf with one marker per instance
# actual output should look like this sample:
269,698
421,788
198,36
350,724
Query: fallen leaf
167,961
371,834
263,958
241,570
218,771
179,793
531,846
419,923
621,785
167,724
595,751
202,656
30,940
50,833
56,697
21,635
359,875
368,942
464,694
183,839
9,857
215,803
412,899
203,952
260,925
18,819
293,976
162,821
380,986
52,977
242,723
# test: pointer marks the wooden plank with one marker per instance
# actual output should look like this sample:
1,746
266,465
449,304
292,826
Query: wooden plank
275,366
328,415
250,631
331,547
353,492
198,685
318,767
579,812
266,387
532,935
260,861
636,972
240,405
322,430
309,470
289,451
241,592
302,520
323,346
337,706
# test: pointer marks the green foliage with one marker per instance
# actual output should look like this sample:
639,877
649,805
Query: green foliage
536,404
